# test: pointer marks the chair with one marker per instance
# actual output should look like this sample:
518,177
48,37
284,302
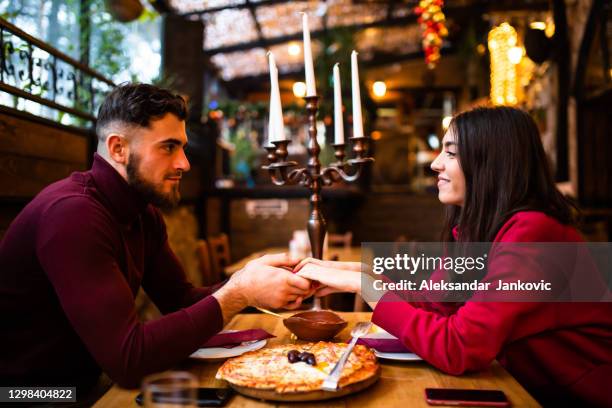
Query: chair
219,255
207,272
344,240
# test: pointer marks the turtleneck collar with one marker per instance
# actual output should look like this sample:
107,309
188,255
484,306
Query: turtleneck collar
125,202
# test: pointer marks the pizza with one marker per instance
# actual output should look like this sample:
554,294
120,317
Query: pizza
291,368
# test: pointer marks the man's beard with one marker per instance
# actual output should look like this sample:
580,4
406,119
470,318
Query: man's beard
151,192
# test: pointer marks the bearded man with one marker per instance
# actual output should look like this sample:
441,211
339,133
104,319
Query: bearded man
73,260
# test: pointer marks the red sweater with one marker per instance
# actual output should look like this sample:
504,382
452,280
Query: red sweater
560,352
71,265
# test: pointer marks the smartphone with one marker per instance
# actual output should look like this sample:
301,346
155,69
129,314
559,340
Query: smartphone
466,398
206,397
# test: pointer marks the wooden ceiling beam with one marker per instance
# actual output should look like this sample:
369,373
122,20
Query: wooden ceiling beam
232,7
313,34
481,6
256,22
246,84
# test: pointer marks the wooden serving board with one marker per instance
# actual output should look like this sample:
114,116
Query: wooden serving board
318,395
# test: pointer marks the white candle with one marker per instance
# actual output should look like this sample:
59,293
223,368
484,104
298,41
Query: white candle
311,89
357,119
280,124
338,122
275,120
266,139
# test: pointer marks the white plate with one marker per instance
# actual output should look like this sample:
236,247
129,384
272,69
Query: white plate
382,334
214,353
398,356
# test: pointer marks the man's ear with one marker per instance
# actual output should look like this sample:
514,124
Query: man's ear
118,149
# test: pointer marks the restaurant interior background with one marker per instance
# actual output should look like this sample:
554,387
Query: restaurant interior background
420,63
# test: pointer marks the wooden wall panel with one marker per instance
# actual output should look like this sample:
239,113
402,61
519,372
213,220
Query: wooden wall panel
34,153
248,235
27,138
8,212
213,216
595,149
381,217
26,176
389,216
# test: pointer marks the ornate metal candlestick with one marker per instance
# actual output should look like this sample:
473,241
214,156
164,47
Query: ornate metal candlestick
312,176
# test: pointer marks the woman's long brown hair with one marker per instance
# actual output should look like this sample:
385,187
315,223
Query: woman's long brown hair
506,171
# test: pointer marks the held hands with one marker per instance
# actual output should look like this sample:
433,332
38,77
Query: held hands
269,283
333,276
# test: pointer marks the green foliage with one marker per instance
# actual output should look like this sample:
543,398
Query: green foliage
245,125
107,46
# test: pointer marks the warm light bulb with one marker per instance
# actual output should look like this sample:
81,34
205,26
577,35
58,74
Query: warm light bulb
433,141
299,89
515,54
538,25
446,122
294,48
379,88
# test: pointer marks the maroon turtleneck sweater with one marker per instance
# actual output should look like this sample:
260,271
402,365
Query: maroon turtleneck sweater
71,264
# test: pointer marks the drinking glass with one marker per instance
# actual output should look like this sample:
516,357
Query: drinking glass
174,389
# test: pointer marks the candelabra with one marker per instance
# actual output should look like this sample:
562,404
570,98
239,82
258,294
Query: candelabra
314,177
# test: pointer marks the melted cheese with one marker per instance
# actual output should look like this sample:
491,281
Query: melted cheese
307,371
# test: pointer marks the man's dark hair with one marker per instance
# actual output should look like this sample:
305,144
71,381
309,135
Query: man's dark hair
136,105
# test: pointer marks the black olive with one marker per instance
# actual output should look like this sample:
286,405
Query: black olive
293,356
303,355
311,360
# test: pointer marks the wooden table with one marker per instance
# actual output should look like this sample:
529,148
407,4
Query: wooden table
401,384
351,254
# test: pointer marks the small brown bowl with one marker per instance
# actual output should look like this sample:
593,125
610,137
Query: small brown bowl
315,325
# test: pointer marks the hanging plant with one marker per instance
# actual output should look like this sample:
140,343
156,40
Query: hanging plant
432,21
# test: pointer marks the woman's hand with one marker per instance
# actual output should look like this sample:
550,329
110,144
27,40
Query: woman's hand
332,279
349,266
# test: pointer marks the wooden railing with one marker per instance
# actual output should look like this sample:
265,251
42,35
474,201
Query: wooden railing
34,70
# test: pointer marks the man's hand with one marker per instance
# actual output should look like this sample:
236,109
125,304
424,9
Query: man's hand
264,282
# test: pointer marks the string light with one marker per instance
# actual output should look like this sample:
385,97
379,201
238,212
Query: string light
515,54
501,40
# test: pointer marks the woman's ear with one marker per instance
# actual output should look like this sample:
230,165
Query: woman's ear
118,149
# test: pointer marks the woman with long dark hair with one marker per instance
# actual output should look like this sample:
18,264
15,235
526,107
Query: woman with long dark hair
494,178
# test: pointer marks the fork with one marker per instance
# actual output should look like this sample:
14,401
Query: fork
331,382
